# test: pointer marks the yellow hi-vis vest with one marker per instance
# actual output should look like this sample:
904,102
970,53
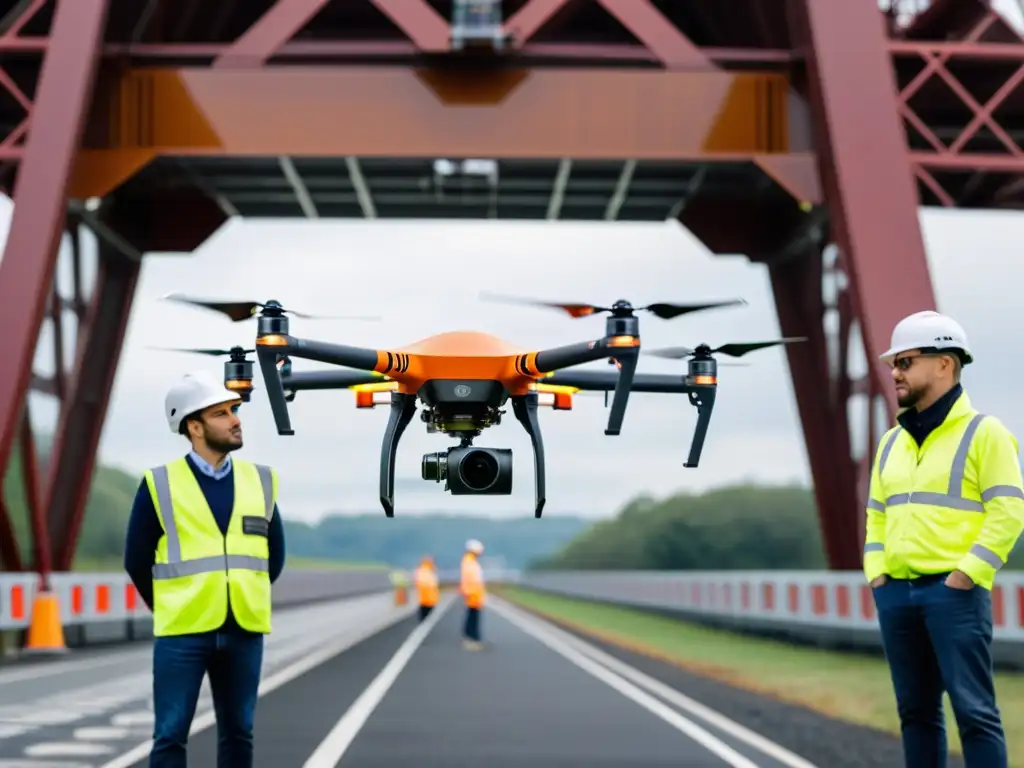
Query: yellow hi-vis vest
955,503
198,570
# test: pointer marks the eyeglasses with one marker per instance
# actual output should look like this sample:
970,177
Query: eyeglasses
905,363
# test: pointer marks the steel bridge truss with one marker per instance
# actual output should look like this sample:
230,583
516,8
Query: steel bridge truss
800,133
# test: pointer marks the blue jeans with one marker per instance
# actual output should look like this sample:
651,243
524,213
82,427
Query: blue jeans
939,638
471,628
233,661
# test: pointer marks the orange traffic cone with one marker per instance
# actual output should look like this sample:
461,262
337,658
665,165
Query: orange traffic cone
45,632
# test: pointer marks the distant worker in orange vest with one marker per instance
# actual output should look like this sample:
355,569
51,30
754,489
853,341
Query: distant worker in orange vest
427,586
473,592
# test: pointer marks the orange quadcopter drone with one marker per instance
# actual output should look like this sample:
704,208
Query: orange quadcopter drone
464,378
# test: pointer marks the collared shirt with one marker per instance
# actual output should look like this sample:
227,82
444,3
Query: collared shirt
208,469
920,424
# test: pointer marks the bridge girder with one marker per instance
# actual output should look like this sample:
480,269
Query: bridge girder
819,126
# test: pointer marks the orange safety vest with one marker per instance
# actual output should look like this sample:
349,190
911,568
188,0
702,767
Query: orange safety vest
472,584
427,586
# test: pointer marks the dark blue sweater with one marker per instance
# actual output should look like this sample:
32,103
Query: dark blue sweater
144,532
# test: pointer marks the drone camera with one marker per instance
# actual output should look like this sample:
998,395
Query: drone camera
469,470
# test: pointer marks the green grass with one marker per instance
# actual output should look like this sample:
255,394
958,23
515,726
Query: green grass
106,565
849,687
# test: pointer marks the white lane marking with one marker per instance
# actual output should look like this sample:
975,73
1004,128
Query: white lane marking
281,677
130,719
100,733
653,705
36,671
330,750
670,694
67,748
121,656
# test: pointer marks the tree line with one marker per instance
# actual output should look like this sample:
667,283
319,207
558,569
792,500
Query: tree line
739,527
736,528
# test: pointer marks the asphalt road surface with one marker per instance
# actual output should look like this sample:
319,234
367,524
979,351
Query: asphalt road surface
359,684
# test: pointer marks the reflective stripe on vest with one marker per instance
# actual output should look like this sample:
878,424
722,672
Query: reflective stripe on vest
201,574
175,567
953,498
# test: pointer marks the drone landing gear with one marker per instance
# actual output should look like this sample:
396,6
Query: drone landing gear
704,400
525,409
403,408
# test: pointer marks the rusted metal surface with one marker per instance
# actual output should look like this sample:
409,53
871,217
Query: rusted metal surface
27,269
415,113
779,113
873,221
962,104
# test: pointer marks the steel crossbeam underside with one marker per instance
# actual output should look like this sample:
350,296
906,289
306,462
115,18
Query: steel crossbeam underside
801,133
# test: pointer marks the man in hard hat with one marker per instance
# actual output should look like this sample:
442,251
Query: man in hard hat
427,588
471,586
204,543
945,507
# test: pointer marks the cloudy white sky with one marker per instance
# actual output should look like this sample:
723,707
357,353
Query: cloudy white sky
424,278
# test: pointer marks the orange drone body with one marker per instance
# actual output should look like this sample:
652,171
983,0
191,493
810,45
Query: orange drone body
460,355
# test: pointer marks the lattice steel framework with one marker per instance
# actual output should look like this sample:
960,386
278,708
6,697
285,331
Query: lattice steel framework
820,126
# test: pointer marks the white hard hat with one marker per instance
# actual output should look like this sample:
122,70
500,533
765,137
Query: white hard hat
195,391
928,330
474,545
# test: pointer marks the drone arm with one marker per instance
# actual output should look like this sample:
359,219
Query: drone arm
309,380
403,407
600,381
525,409
624,349
553,359
360,358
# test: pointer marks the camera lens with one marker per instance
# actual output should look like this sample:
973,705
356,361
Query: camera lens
433,467
478,470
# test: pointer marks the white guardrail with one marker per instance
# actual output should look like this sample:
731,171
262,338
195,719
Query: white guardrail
832,608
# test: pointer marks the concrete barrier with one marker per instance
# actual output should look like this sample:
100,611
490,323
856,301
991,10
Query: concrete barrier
828,608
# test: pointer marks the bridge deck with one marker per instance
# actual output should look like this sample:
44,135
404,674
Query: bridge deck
536,696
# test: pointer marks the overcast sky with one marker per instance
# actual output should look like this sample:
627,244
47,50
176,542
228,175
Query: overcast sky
424,278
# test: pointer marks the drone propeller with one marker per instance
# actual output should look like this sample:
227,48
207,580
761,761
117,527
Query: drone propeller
238,351
243,310
732,349
621,308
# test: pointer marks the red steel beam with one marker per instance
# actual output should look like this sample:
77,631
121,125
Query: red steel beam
81,419
872,203
529,20
411,112
264,38
10,553
27,269
658,34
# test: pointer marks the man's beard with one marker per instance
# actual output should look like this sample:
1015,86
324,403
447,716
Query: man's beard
909,398
222,446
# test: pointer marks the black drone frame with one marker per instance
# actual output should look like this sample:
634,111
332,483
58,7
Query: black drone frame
276,347
274,342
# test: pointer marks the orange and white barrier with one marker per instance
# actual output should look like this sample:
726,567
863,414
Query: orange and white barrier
815,605
81,598
87,608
